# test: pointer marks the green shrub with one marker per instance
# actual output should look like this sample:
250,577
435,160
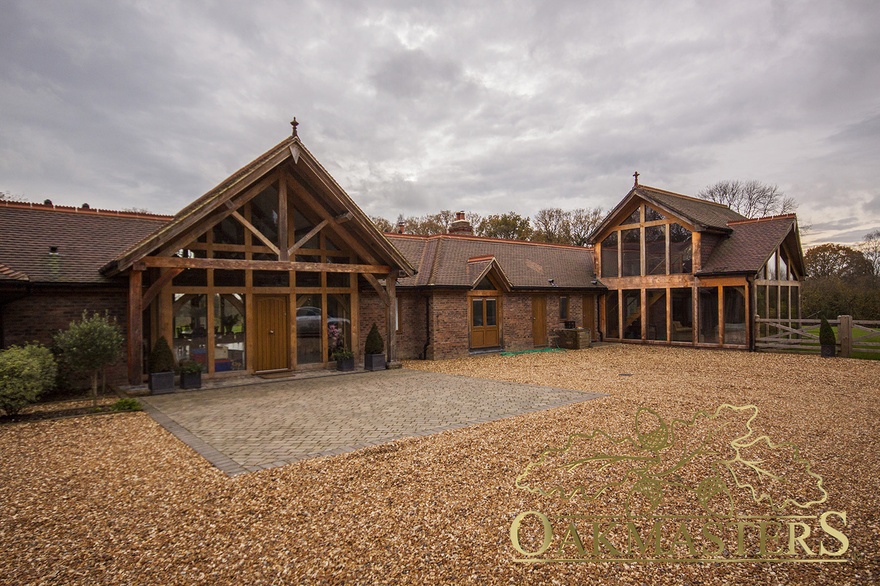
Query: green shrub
161,358
25,372
189,367
342,354
374,344
91,344
826,333
126,405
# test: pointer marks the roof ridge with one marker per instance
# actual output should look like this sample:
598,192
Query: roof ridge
484,239
86,211
762,219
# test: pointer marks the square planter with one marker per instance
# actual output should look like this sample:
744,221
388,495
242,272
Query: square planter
191,380
345,364
829,350
161,382
374,362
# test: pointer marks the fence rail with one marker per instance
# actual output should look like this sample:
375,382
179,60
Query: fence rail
855,338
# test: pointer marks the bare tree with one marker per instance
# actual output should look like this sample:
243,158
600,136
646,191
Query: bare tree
552,225
9,196
382,224
582,223
870,247
750,198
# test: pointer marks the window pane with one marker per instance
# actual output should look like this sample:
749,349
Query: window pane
735,315
563,308
631,253
761,309
632,314
633,218
228,278
682,315
308,328
783,303
229,231
783,267
656,314
264,214
652,215
229,334
609,256
771,267
655,250
477,310
338,323
612,322
795,303
191,277
491,312
679,249
709,315
191,328
773,301
301,227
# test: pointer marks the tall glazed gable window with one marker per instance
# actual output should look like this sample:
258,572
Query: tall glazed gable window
609,256
680,249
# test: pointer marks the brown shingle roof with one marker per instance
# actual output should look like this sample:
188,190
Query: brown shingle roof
85,240
7,274
442,261
749,245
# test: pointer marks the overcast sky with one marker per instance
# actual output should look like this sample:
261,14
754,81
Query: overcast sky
413,108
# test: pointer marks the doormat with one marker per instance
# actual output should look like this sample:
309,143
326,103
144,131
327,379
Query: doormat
533,351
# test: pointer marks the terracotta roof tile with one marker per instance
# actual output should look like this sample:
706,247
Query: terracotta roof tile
442,261
85,240
749,245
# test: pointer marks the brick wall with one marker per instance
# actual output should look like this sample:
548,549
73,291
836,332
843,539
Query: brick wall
39,316
449,325
411,333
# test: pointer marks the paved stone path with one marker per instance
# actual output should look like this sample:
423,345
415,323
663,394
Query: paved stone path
249,428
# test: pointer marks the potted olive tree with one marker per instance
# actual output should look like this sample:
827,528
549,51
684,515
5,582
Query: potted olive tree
374,350
344,359
190,374
161,367
827,339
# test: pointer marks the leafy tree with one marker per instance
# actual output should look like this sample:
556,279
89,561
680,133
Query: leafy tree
382,224
750,198
90,345
870,247
552,225
25,372
510,226
836,260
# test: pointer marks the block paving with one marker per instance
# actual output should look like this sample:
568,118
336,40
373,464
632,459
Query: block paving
258,426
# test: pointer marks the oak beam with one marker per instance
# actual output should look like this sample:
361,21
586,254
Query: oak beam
261,265
374,282
255,232
135,328
299,243
391,313
154,289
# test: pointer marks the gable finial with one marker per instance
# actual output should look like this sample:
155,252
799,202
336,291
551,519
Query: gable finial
636,175
294,124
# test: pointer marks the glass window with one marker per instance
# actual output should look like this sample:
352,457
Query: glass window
783,302
652,215
228,231
761,309
709,315
338,322
631,260
656,314
609,256
301,227
632,314
338,279
783,267
655,250
191,277
229,336
228,277
485,285
191,328
633,218
682,315
491,312
477,312
773,302
795,303
612,318
264,213
680,249
308,328
771,267
563,308
735,315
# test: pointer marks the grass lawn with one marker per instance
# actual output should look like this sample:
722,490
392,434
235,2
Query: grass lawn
117,500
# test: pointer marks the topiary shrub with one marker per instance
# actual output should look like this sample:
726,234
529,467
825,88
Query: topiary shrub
827,339
374,344
161,357
25,372
91,344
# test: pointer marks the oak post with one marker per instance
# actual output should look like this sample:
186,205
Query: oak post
844,332
391,313
135,327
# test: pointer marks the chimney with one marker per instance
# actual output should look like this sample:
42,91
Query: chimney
401,227
461,225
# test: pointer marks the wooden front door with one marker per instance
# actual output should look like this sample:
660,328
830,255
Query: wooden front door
484,322
539,320
272,332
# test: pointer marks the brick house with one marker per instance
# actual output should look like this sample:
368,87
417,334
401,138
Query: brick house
277,267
